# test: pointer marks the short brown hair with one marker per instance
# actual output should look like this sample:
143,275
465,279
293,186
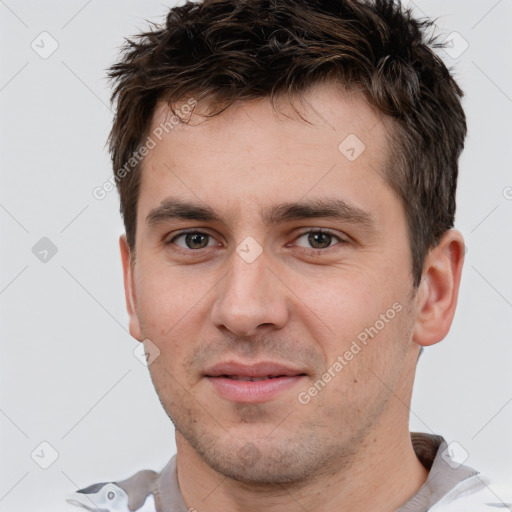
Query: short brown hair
229,50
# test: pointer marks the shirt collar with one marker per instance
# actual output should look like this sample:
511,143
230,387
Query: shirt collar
444,473
431,450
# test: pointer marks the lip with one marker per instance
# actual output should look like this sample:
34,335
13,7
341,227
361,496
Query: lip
256,370
280,378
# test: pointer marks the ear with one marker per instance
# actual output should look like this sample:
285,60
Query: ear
438,291
129,288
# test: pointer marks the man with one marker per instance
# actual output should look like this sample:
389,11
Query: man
287,174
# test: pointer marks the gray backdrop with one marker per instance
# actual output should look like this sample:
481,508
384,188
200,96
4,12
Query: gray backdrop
69,378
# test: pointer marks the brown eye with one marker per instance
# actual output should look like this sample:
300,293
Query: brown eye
196,240
317,240
193,240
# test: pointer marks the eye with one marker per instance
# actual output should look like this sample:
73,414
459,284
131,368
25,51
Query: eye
318,239
193,240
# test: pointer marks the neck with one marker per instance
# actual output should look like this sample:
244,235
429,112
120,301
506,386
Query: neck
382,476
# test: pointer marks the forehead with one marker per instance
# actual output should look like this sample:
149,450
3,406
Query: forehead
321,107
253,154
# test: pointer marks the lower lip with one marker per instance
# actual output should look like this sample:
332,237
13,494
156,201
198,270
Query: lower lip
253,391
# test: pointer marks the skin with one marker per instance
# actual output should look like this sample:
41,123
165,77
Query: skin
298,303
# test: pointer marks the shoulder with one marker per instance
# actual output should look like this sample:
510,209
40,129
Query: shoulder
133,494
145,491
471,495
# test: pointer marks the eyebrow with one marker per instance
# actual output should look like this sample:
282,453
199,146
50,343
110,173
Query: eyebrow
172,208
318,208
338,209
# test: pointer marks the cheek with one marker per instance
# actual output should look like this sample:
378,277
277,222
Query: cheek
167,296
171,311
362,321
342,304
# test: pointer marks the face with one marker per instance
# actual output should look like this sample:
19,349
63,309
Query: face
273,274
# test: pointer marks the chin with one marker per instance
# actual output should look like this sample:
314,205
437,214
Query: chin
261,461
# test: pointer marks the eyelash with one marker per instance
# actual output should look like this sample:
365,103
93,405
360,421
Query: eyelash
340,240
188,232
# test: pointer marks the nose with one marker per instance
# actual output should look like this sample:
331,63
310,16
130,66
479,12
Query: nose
250,299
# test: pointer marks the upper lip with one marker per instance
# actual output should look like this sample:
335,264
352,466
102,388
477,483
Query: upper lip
261,369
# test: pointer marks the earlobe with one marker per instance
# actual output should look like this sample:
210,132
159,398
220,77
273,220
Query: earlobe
438,291
129,288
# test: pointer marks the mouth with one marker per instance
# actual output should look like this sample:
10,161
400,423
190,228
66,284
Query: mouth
252,379
254,383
